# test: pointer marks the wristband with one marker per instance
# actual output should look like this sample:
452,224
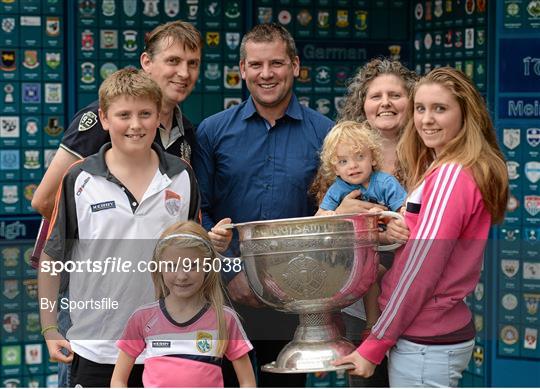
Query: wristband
53,327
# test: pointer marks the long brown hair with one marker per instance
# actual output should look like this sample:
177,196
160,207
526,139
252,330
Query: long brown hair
189,234
475,147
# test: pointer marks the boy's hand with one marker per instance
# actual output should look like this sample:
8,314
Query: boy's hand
351,204
55,343
221,237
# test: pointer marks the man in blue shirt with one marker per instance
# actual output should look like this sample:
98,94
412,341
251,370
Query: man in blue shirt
255,161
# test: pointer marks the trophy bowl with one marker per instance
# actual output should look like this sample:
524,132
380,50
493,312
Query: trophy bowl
312,266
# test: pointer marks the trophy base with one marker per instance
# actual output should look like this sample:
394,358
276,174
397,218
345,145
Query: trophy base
300,357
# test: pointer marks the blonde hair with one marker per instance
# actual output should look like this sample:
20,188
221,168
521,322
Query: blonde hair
475,147
189,234
178,32
360,136
128,82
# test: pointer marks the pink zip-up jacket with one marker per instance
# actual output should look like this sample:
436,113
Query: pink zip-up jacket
422,294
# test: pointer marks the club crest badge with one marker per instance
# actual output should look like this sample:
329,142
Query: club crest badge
30,59
11,256
87,8
10,194
438,9
229,102
52,26
31,159
7,60
173,202
10,322
204,342
323,106
511,137
212,38
532,171
360,20
304,18
213,9
342,18
509,301
31,126
304,101
11,289
323,19
88,120
87,40
531,338
232,79
469,6
510,267
52,59
107,69
87,73
31,93
531,303
108,39
479,291
532,204
232,10
509,335
478,322
53,127
150,8
264,15
130,40
172,8
212,71
232,40
419,11
478,356
284,17
108,8
533,136
53,93
8,25
322,75
129,7
29,191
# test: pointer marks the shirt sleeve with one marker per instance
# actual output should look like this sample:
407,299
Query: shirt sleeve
331,199
63,228
238,344
203,164
449,198
394,194
132,340
85,135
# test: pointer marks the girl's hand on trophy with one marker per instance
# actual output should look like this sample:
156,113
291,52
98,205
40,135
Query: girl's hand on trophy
363,367
397,231
221,237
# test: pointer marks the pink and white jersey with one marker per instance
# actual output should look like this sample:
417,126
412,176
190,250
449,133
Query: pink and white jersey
181,354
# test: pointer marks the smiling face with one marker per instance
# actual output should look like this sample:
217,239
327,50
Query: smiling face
352,165
269,74
174,68
131,122
184,285
437,116
386,103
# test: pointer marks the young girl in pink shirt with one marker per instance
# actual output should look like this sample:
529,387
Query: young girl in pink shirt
185,334
457,182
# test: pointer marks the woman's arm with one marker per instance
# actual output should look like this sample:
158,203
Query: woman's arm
122,370
244,372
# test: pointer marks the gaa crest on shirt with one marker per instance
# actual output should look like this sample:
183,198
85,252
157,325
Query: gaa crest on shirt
204,342
173,201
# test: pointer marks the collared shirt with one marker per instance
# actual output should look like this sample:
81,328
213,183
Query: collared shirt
249,170
96,217
85,134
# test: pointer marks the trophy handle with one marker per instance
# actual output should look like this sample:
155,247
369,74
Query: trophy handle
393,246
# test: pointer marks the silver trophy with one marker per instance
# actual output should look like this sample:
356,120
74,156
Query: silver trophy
314,267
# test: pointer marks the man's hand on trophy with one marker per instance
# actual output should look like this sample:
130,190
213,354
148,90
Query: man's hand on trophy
363,367
221,237
240,291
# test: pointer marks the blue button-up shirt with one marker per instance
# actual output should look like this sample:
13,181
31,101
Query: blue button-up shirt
248,170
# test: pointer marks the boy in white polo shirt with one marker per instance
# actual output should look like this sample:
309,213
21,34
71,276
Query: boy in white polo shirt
108,210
